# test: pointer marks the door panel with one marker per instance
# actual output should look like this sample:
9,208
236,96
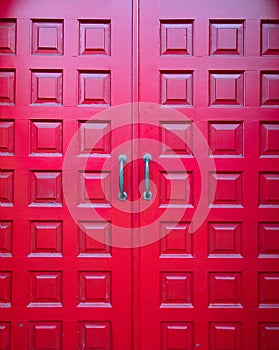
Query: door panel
215,288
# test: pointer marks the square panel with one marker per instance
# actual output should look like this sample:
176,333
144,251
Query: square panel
269,239
268,336
6,187
6,238
47,87
177,335
227,37
94,239
45,288
269,139
176,37
95,188
47,37
45,238
94,37
94,88
176,289
225,336
95,335
270,38
270,89
176,188
176,138
46,137
7,137
224,289
45,335
226,89
94,138
176,240
224,239
226,139
5,289
7,37
5,335
269,189
45,188
177,88
269,289
94,289
7,87
228,192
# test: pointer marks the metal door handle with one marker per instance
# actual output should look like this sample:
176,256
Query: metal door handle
147,195
122,195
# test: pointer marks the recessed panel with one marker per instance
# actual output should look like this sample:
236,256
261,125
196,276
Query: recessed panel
268,335
45,335
94,37
269,289
6,187
47,37
176,138
225,335
94,88
226,139
177,335
176,289
95,289
176,241
224,289
269,189
269,139
47,87
94,188
95,335
270,38
5,335
7,133
176,37
177,88
270,89
226,38
46,137
45,188
6,238
226,89
7,87
7,37
269,239
224,239
5,289
45,288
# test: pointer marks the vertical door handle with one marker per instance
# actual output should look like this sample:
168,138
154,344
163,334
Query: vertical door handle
147,195
122,195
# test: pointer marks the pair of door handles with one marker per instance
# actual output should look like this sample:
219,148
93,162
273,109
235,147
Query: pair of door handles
147,194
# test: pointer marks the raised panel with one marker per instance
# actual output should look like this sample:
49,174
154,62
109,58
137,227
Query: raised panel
227,37
5,289
177,335
226,89
95,335
94,88
45,188
47,37
94,37
7,134
45,288
5,335
6,187
228,189
45,335
270,38
176,289
94,239
45,238
226,139
269,239
268,336
176,138
94,188
7,36
177,88
224,239
269,289
94,289
176,241
7,87
47,87
176,37
270,89
224,289
46,137
225,336
6,238
269,139
269,189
